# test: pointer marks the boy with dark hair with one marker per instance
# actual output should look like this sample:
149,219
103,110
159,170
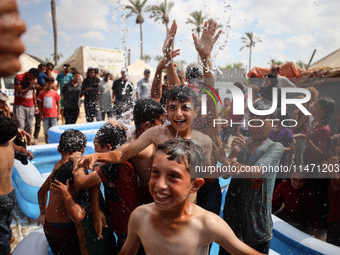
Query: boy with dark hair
8,129
248,203
72,93
62,212
146,114
165,226
120,183
49,105
62,78
182,109
25,101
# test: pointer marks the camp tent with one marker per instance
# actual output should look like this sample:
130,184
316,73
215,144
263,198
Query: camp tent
86,56
136,71
27,62
331,60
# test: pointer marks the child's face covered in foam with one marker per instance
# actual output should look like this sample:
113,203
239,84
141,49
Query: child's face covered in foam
170,183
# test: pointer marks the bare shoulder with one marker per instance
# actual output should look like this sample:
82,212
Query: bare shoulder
199,138
141,213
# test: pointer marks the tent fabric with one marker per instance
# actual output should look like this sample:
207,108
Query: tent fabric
289,70
136,71
27,62
332,60
86,56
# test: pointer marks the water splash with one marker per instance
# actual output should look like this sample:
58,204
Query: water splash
220,45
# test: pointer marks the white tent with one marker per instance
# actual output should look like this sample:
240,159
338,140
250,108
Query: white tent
27,63
136,71
331,60
86,56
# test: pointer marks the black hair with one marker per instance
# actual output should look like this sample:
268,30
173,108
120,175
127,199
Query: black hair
34,71
183,151
49,79
328,106
66,65
147,110
41,66
273,79
8,129
50,64
64,173
165,77
182,94
96,70
73,69
240,86
75,72
263,105
109,134
72,141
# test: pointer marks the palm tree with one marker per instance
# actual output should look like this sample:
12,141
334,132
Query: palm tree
158,58
250,39
275,62
147,58
197,19
136,7
161,12
55,35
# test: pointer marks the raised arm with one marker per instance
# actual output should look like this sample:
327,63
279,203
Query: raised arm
204,47
156,88
170,68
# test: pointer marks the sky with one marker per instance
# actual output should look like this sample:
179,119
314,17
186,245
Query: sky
290,30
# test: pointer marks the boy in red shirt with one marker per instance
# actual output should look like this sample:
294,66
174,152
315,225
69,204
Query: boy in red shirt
49,106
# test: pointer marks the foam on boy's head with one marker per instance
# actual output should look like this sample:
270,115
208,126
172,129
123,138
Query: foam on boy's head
109,134
8,129
182,94
146,110
183,151
64,173
72,141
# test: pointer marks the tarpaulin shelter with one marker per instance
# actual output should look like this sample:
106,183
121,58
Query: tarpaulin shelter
332,60
136,71
86,56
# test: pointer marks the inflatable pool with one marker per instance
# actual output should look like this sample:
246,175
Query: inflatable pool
286,238
89,130
27,179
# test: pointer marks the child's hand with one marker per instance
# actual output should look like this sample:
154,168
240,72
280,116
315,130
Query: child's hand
40,220
61,188
99,221
218,149
169,39
238,143
87,160
205,44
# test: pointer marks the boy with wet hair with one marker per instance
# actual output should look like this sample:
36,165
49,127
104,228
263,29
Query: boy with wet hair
62,212
146,114
8,129
181,109
248,203
120,183
167,225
